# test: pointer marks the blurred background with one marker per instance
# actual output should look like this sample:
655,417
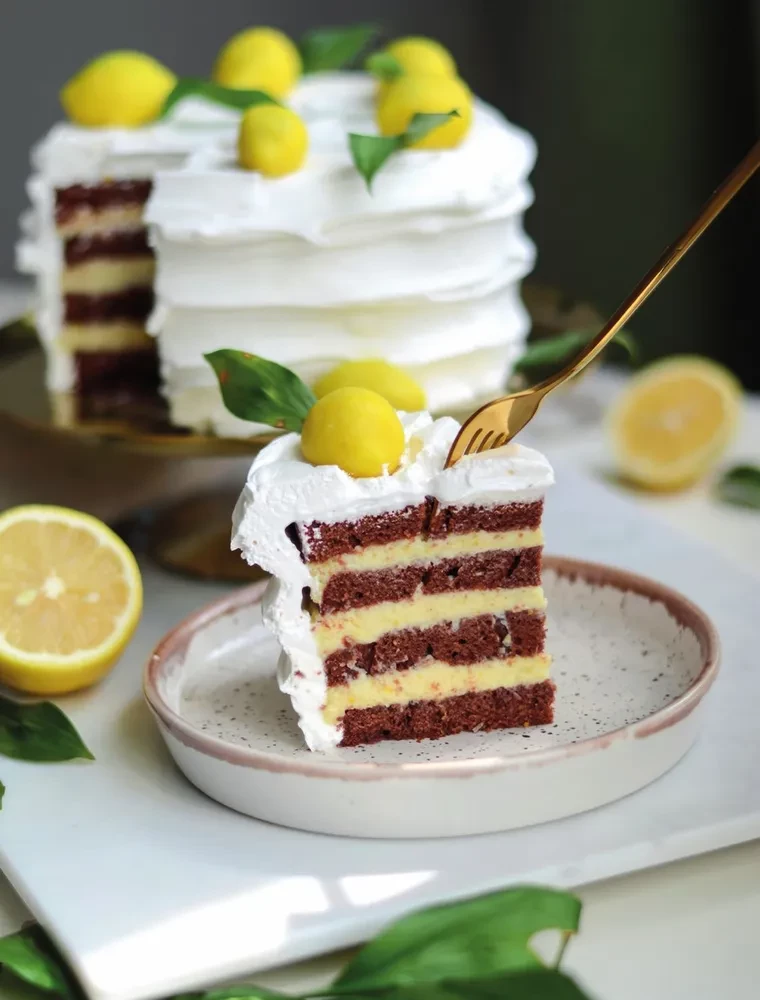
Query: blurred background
639,109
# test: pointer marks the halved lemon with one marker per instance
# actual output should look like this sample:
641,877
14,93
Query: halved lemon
674,421
70,599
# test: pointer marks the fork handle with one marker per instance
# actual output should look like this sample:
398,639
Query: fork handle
710,210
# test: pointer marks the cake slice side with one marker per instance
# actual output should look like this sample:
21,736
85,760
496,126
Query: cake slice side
397,622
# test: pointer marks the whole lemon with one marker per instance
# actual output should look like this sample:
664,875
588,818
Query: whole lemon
119,89
272,140
391,382
406,96
422,56
259,59
355,429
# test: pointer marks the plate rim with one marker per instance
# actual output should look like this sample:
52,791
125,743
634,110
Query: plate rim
678,606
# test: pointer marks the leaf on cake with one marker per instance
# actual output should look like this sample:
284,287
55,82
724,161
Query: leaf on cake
551,352
335,48
477,939
383,65
261,391
38,731
371,152
229,97
740,486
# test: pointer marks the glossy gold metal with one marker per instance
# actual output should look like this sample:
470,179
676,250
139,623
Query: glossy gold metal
496,423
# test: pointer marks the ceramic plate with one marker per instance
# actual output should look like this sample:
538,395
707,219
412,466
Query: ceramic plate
632,662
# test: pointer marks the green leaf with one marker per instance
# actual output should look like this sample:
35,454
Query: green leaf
740,486
383,65
22,955
230,97
370,152
2,794
476,939
38,731
555,351
422,124
335,48
533,984
236,993
261,391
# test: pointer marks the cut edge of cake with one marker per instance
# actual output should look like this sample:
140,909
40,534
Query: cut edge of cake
399,617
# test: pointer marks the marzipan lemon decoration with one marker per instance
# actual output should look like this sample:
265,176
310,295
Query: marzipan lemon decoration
118,89
674,421
70,599
390,381
356,429
272,140
259,59
406,96
422,56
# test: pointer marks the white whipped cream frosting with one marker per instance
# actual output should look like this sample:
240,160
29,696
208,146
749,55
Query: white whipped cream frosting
282,488
311,269
71,154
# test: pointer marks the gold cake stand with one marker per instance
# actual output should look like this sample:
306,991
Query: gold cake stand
189,536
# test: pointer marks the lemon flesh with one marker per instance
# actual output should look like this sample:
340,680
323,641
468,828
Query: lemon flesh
390,381
674,421
118,89
406,96
70,599
355,429
259,59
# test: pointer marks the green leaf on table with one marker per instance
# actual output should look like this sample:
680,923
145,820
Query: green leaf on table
555,351
383,65
531,984
23,955
478,939
245,992
740,486
370,152
38,731
229,97
335,48
261,391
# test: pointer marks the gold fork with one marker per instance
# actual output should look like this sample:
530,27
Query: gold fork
496,423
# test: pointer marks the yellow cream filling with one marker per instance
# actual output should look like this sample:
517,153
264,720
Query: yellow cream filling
88,220
410,550
362,625
103,276
433,681
105,335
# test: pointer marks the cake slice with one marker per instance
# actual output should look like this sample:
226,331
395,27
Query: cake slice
407,605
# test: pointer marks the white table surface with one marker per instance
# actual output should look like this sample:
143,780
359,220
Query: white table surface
686,930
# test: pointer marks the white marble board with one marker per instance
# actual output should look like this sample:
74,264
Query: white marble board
150,888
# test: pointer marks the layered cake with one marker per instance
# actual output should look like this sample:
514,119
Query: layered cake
408,605
312,268
86,243
308,267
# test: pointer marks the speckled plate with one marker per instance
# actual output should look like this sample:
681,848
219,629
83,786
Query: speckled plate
632,663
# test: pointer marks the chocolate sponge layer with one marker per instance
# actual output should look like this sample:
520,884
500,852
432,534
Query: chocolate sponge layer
504,708
320,541
468,641
483,571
